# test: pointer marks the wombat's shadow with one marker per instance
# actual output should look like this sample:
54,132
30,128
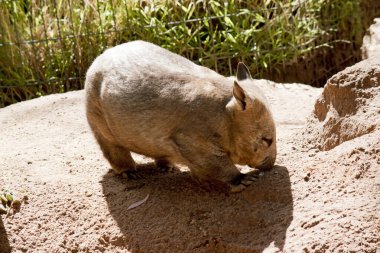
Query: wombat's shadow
181,216
4,243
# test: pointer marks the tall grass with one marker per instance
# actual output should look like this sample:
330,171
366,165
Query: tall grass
47,45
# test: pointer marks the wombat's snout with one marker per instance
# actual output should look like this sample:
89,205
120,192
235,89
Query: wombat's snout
266,164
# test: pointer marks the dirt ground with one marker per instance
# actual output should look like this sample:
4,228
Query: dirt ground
312,201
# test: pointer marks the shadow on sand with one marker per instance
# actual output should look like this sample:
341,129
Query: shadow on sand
4,243
181,216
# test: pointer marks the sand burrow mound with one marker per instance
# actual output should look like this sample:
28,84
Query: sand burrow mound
349,106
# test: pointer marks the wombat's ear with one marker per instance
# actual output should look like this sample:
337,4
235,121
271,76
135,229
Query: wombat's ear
240,96
242,72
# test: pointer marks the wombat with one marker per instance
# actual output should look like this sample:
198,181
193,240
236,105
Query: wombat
142,98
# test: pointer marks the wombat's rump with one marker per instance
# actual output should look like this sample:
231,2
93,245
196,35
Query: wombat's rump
145,99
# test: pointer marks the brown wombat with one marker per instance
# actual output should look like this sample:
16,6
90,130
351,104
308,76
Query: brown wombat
142,98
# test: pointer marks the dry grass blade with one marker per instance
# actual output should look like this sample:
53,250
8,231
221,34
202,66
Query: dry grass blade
138,203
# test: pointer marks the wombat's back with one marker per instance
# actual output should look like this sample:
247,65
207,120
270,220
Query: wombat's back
140,57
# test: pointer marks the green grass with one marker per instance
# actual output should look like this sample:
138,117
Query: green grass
46,46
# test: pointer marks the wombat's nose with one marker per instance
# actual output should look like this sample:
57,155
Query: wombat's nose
266,164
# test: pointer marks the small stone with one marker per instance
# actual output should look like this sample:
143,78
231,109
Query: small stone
106,238
101,241
16,204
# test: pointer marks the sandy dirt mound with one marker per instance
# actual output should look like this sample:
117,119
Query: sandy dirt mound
312,201
349,106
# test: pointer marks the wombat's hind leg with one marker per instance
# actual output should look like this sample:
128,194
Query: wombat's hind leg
119,157
164,165
243,181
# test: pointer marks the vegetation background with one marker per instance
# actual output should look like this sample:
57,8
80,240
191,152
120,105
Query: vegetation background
46,46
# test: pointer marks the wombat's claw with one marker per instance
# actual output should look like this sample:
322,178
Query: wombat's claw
249,179
131,175
244,180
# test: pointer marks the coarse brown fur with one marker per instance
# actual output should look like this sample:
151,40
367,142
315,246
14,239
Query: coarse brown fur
142,98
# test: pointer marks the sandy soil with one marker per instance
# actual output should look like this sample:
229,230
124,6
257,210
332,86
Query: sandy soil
312,201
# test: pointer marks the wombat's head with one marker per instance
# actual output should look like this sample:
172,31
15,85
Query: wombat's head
253,132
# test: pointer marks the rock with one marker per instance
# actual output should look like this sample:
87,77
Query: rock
349,106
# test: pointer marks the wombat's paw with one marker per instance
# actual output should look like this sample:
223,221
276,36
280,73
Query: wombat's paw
243,181
131,174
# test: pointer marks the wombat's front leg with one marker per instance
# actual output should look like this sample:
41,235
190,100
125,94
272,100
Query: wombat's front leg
220,168
208,162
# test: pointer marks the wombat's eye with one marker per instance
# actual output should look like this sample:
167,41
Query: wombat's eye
268,141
